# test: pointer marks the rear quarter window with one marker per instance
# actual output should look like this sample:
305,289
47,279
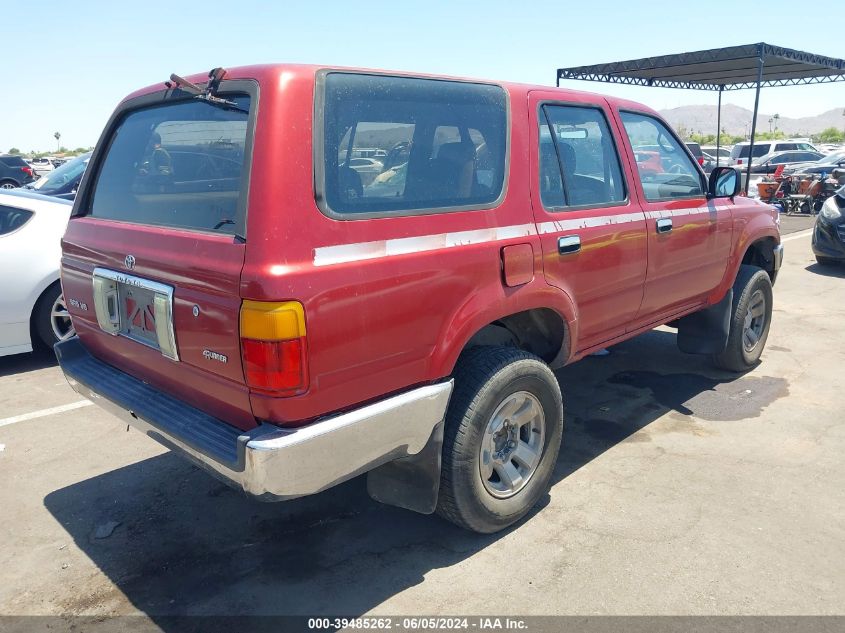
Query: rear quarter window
13,161
12,218
436,145
179,165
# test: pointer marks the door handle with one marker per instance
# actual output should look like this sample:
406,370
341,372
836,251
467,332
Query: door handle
568,244
664,225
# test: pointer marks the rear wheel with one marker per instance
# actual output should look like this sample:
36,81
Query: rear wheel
501,438
750,320
51,318
8,184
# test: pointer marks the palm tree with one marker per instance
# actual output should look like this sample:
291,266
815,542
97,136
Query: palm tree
57,136
776,117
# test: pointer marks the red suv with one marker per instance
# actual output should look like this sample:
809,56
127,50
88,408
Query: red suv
245,297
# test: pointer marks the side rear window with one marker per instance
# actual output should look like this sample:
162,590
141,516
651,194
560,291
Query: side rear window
13,161
579,165
435,145
666,170
11,219
179,165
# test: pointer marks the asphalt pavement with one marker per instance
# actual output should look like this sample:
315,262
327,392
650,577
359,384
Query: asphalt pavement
680,489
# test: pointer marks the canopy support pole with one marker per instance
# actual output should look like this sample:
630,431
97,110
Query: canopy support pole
754,120
719,124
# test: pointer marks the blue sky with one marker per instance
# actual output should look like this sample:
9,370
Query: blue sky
71,63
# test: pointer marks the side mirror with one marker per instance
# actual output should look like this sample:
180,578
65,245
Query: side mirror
725,182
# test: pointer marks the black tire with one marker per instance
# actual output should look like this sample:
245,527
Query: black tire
826,261
8,184
484,379
42,316
737,357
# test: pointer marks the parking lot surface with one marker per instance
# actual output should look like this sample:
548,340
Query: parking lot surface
679,490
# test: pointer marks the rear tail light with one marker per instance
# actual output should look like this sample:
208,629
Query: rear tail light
739,161
701,160
28,171
274,347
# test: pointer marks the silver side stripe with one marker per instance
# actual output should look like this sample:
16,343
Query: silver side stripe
586,223
344,253
328,255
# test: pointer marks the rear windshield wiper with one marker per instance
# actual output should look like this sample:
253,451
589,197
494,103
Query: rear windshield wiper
209,93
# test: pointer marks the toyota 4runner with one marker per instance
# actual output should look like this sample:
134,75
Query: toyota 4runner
243,295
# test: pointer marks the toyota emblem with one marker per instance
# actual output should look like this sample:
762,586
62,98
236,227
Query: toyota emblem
129,262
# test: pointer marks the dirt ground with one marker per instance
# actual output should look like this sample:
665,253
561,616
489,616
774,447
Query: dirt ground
679,490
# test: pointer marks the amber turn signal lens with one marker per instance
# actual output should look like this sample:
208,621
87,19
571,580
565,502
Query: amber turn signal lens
272,321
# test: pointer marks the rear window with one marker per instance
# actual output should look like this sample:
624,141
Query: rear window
760,149
430,144
11,219
179,165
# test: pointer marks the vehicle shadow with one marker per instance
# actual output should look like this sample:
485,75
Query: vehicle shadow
827,270
30,361
187,544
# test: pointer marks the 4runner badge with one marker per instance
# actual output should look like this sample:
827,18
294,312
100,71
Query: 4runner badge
209,355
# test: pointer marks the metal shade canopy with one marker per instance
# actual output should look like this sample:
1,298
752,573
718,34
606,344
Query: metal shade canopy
718,69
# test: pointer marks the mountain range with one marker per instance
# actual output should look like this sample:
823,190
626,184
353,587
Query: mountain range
737,120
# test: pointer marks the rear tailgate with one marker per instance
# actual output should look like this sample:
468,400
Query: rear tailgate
152,258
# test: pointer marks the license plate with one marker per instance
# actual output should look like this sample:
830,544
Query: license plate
137,314
137,308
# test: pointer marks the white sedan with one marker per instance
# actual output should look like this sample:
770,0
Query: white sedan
31,302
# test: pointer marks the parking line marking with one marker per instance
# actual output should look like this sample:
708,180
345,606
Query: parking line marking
795,236
45,412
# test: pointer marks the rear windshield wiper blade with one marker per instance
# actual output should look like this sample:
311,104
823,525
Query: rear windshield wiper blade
209,93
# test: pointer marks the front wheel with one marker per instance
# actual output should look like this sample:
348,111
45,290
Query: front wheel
501,438
751,317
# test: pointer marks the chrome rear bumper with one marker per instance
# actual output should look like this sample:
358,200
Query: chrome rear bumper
269,462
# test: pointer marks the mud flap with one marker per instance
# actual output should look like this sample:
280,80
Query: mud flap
411,482
707,331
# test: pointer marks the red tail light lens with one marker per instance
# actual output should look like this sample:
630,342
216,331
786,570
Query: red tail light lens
274,346
701,160
28,171
277,366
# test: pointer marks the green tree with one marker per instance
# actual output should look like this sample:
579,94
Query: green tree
829,135
14,151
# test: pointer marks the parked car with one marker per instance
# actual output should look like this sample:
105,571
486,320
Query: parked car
829,231
31,303
769,163
63,181
708,162
409,332
724,153
824,165
739,152
367,168
649,162
14,172
42,165
695,150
